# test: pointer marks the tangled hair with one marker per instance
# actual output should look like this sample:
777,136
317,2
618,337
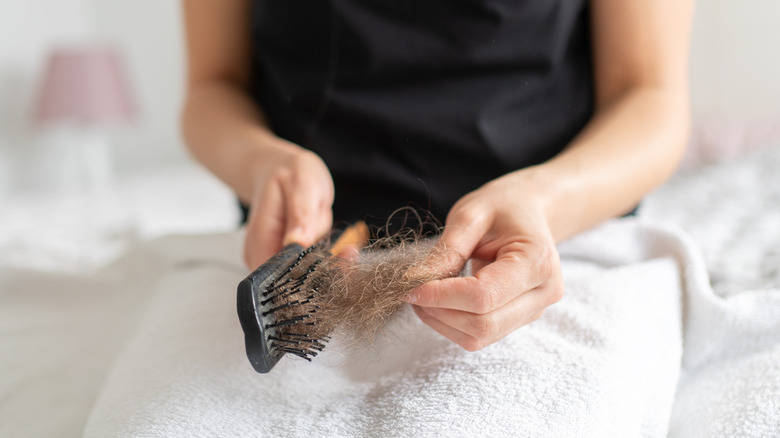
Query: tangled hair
358,295
364,292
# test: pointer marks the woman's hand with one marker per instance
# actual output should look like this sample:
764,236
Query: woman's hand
289,189
291,203
636,138
502,228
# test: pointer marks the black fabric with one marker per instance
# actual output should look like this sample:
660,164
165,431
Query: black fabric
419,102
243,212
244,209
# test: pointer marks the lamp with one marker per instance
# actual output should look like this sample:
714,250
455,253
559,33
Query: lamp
83,92
84,86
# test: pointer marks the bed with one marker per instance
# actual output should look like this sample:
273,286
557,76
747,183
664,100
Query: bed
670,327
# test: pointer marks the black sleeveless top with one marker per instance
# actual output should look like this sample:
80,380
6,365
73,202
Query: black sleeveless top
418,102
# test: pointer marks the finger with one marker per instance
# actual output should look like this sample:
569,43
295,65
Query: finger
492,287
468,342
265,227
535,317
455,246
468,220
323,223
306,199
464,229
494,325
478,264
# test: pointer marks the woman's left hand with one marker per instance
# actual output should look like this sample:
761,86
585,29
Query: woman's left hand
516,271
633,142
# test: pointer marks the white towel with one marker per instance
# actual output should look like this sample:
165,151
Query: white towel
603,362
730,385
60,334
158,351
151,345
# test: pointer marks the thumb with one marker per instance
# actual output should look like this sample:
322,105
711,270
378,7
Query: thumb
462,233
300,217
456,244
298,235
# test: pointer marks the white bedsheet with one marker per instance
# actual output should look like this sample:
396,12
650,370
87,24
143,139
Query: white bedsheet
640,346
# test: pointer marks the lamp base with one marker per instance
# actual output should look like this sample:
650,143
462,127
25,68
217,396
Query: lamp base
88,210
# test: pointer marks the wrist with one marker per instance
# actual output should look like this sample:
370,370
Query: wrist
555,195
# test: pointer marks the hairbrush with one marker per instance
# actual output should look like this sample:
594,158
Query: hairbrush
278,302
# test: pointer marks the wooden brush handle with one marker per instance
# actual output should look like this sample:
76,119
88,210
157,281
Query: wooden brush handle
355,235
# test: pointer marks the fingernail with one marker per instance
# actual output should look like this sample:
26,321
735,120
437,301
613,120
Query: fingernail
412,298
294,236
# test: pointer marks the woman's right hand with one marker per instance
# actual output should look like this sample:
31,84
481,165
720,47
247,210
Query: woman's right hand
291,202
289,189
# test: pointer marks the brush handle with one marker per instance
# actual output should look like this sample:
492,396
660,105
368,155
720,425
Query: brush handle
356,234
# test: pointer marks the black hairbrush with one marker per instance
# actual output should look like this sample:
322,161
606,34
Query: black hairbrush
278,300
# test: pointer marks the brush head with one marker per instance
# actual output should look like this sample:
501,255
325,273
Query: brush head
294,301
277,303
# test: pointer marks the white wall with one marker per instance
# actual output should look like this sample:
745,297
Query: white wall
25,34
735,69
148,35
735,61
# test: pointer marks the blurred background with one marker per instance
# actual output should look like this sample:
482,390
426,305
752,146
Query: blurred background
148,36
156,188
148,186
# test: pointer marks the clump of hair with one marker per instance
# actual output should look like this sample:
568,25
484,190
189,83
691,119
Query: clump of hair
356,295
361,294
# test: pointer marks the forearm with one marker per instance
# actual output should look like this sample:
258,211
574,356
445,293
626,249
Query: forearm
631,146
509,226
226,132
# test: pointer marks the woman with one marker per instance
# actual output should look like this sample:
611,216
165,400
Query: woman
523,122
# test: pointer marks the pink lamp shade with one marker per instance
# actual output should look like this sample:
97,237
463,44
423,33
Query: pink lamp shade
84,86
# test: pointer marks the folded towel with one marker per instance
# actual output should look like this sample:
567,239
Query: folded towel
603,362
60,334
159,352
730,382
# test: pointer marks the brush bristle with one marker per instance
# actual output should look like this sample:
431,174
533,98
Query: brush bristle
289,306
